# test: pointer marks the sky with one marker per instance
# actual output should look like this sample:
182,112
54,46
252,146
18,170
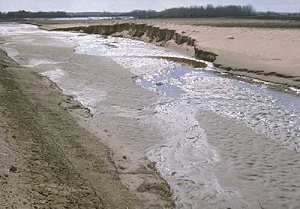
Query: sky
128,5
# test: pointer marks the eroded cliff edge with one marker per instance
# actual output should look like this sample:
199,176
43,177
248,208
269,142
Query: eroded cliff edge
147,33
180,41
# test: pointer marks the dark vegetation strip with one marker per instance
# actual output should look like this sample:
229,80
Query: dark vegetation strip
233,11
26,14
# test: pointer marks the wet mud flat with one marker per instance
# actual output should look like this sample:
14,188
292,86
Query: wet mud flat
36,134
219,142
49,161
223,143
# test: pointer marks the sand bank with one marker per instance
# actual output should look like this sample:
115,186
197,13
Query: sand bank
270,54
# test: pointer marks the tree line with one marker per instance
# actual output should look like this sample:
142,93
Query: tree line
234,11
197,12
25,14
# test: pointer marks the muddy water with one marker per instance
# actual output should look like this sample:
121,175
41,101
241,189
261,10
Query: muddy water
225,143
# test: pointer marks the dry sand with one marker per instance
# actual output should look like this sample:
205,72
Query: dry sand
256,49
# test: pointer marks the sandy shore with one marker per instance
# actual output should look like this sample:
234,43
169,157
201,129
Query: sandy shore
49,161
256,49
270,54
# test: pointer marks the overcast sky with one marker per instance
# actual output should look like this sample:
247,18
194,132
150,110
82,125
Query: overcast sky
127,5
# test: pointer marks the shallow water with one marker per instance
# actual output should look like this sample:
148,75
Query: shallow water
189,160
207,122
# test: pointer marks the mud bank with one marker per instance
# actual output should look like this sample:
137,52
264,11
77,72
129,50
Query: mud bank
147,33
49,161
187,44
